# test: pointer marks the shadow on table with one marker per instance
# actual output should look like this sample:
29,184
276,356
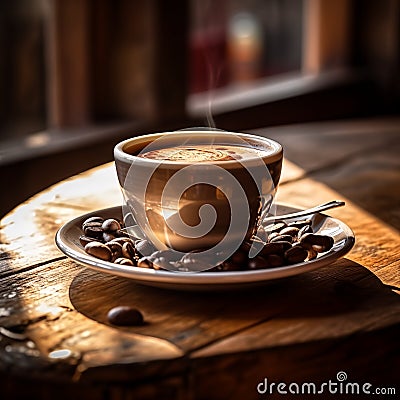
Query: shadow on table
344,290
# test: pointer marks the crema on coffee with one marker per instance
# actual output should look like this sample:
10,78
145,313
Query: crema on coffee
204,153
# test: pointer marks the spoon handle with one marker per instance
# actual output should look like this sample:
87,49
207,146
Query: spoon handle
303,213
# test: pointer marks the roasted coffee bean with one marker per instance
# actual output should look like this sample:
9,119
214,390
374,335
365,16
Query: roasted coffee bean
300,224
296,254
274,260
144,247
305,229
312,254
111,225
274,227
272,236
124,261
128,250
121,234
290,230
319,243
275,248
108,236
92,219
282,238
125,316
84,240
257,263
122,240
93,229
99,250
144,263
116,250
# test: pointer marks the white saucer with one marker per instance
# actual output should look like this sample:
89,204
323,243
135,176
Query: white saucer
67,239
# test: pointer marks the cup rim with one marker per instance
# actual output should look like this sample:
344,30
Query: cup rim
120,154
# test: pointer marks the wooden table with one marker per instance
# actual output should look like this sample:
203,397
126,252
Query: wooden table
55,341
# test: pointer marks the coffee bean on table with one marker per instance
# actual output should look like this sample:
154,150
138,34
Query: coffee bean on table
125,316
99,250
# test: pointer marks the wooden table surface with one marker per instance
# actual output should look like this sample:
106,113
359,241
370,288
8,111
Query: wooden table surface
55,341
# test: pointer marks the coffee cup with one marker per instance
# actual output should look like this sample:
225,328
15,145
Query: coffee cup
199,189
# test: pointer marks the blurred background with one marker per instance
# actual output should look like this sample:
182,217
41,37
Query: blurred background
78,76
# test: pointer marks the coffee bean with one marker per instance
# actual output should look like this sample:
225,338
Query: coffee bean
296,254
274,227
92,219
272,236
93,229
122,240
319,243
144,247
108,236
128,250
312,254
121,234
290,230
99,250
282,238
257,263
124,261
125,316
116,250
111,225
305,229
275,248
144,263
301,223
84,240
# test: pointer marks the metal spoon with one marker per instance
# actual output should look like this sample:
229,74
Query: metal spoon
303,213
